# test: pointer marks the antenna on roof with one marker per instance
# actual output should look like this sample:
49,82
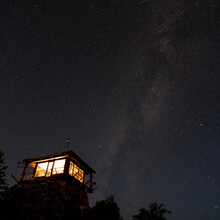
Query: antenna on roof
67,144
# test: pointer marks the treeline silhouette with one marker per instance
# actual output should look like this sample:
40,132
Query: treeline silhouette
35,200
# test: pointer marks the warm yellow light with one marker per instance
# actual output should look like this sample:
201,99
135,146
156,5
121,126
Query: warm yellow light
41,169
51,167
76,172
58,166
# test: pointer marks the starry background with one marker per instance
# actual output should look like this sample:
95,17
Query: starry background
133,84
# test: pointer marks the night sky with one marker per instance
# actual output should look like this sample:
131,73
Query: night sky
133,84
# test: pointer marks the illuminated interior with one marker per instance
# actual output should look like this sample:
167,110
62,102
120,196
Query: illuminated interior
48,168
51,167
76,172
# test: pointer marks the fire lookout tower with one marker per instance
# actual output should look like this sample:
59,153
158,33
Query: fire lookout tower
63,175
65,165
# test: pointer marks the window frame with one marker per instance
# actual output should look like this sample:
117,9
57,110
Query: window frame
78,173
51,170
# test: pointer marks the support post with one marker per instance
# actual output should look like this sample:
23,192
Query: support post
35,169
67,144
90,181
24,172
67,165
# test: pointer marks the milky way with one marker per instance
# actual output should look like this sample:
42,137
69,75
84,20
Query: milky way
133,84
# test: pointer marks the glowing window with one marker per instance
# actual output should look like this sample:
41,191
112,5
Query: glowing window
76,172
41,169
58,166
51,167
71,169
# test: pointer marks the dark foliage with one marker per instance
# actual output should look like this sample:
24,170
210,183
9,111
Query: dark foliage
155,212
56,199
51,201
105,209
3,181
48,200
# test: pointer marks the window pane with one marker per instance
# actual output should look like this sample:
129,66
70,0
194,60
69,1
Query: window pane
76,172
49,169
41,169
71,168
59,166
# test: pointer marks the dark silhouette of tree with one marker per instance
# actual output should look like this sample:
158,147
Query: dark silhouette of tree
105,209
54,199
155,212
3,187
3,181
43,200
